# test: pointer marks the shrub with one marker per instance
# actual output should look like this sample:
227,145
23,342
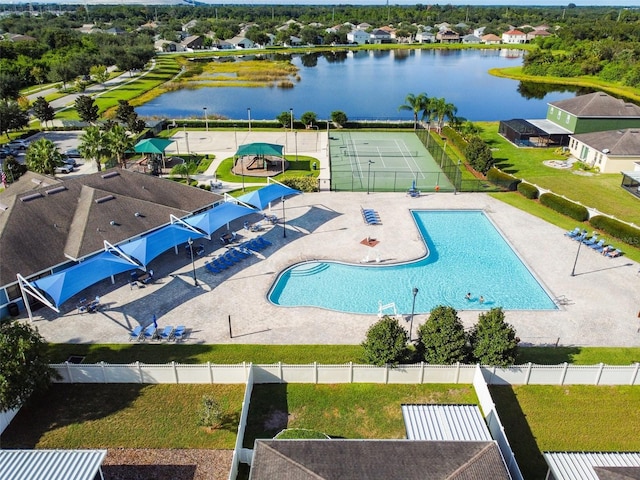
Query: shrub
386,342
211,413
479,154
442,338
626,233
527,190
493,341
304,184
498,177
455,138
566,207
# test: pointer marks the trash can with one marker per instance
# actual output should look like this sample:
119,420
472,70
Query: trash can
13,309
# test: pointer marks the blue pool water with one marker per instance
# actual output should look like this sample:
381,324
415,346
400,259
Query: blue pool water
466,253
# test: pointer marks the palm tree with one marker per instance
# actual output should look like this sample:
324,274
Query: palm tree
92,145
415,104
443,110
118,143
43,157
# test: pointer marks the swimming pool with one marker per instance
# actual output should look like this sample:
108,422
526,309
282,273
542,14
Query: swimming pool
466,253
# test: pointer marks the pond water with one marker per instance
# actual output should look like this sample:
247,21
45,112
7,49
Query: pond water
372,84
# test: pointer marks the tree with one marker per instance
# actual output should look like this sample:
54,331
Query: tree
9,87
308,118
92,145
339,117
60,71
12,117
86,108
24,366
118,143
415,104
128,117
284,118
43,111
479,155
99,73
13,169
43,156
494,341
442,338
443,111
386,342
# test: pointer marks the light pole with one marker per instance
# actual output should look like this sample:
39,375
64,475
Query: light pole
413,309
249,117
369,174
284,222
573,272
193,265
186,140
291,112
206,119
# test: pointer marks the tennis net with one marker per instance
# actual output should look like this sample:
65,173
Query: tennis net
378,153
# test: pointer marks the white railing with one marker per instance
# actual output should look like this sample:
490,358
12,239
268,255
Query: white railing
242,454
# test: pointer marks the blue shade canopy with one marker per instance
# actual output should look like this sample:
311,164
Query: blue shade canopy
63,285
260,149
152,145
150,246
214,218
263,197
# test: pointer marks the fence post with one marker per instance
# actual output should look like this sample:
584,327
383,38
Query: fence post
635,374
69,371
350,372
104,372
210,372
457,372
528,374
599,375
386,374
281,373
564,372
315,372
421,372
175,371
140,372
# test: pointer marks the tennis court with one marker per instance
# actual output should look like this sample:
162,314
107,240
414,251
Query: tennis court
383,162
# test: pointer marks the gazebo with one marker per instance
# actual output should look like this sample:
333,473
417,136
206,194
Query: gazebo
154,147
259,159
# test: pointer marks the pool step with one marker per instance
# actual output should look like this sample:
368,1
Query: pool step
308,271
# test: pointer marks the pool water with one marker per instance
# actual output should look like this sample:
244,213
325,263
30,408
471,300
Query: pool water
466,253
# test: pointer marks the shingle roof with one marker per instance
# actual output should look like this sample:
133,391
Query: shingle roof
51,223
617,142
597,105
376,460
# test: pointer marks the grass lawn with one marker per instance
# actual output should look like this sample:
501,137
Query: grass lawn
344,410
297,168
124,415
539,418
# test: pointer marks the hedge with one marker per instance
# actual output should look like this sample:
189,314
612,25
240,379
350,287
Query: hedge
527,190
455,138
304,184
503,179
622,231
566,207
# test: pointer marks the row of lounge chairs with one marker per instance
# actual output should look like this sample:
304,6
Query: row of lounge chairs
151,332
594,242
370,216
236,254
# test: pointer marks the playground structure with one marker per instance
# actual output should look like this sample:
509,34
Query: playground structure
259,160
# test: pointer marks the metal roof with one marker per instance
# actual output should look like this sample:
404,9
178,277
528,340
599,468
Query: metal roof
445,422
548,126
581,465
51,464
635,175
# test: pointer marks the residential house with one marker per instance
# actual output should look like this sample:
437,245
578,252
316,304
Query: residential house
513,37
358,36
189,25
491,39
115,31
222,45
293,41
192,42
471,39
363,26
16,37
379,36
448,36
611,151
479,32
241,42
167,46
425,37
532,35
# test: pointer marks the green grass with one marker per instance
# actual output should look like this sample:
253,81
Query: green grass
297,168
539,418
124,415
343,410
579,355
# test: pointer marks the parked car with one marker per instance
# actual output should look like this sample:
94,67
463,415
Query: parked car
19,144
69,161
5,151
72,153
66,168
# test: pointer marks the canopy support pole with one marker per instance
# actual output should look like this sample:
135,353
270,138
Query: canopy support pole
28,288
108,248
175,219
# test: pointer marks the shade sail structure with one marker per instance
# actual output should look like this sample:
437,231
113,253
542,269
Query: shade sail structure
263,197
152,145
260,149
63,285
214,218
150,246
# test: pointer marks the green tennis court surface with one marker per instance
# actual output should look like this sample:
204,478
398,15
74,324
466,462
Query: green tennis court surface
383,162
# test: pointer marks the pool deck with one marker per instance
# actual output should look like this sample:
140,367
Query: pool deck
600,303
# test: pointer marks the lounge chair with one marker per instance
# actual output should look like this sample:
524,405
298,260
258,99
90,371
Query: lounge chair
614,253
212,268
262,242
179,332
166,333
216,262
150,332
592,241
573,233
136,333
598,246
581,237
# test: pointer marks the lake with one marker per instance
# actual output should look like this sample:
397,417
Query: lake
372,84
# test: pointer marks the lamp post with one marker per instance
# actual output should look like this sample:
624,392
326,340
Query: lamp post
284,222
249,117
193,265
369,174
573,271
413,309
291,112
186,140
206,119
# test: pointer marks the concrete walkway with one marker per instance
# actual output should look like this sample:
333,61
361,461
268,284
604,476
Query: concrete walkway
600,306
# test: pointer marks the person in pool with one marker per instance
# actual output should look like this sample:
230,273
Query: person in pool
468,296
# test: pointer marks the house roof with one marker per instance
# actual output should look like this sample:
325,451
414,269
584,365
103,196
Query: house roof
594,465
45,226
491,37
613,142
513,33
191,39
597,105
377,460
445,422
